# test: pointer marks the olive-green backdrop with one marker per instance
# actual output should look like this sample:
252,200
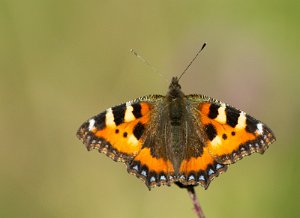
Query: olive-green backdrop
64,61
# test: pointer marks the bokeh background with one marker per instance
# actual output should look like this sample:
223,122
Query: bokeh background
62,62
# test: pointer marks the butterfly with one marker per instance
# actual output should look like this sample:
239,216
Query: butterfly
177,138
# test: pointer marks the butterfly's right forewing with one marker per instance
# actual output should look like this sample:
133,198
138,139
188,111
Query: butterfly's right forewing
230,133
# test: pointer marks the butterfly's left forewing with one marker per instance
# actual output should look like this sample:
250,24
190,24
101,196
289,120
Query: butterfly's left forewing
118,131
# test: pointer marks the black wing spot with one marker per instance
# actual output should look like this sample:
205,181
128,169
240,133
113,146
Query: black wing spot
125,134
100,121
210,131
250,124
232,116
117,131
224,136
119,113
233,133
137,110
213,111
138,130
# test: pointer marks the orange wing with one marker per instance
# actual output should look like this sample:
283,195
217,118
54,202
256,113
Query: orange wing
118,131
200,170
154,171
227,134
231,133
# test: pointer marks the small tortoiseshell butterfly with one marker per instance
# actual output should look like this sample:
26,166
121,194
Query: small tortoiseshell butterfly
185,139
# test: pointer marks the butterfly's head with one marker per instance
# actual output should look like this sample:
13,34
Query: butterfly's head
174,88
174,84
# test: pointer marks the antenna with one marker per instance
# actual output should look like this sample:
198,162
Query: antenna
188,66
146,62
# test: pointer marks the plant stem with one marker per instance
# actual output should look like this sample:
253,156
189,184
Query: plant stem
193,196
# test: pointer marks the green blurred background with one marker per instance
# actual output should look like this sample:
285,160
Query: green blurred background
62,62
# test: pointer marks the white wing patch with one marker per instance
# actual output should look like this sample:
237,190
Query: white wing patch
260,128
132,140
109,118
241,121
128,114
91,124
221,118
216,141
